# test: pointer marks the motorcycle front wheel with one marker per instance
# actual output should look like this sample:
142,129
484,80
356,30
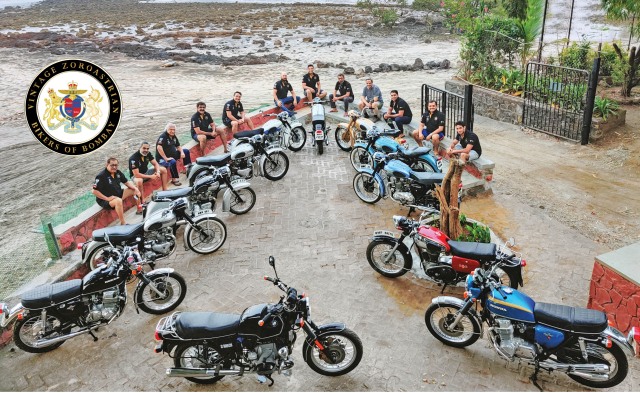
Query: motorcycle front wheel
297,139
171,287
384,262
31,329
194,356
360,158
366,188
243,202
345,353
439,318
275,165
210,237
597,353
344,146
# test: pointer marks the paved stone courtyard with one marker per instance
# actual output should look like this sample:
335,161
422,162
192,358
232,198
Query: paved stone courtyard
316,228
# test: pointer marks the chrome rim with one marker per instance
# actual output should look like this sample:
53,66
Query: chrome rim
296,139
360,158
170,289
210,236
193,357
422,166
442,317
366,187
341,348
275,164
247,201
34,330
382,251
339,133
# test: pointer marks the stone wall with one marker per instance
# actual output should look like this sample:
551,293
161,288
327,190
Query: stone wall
490,103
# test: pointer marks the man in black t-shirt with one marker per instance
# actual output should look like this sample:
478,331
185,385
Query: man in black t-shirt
233,114
169,151
342,92
281,91
431,127
143,167
398,112
466,143
203,128
108,190
311,85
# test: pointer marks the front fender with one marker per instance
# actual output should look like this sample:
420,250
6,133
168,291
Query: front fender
333,327
295,123
377,178
151,276
10,317
456,302
401,246
91,245
238,184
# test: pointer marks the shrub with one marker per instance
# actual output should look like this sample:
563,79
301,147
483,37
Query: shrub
576,55
474,232
604,107
426,5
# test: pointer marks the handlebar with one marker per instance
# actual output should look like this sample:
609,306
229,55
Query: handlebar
276,281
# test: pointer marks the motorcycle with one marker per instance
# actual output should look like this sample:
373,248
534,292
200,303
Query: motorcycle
285,129
356,129
49,315
319,130
155,236
444,261
551,337
207,346
393,178
247,157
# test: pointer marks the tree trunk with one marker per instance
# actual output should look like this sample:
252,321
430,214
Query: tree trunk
448,197
631,78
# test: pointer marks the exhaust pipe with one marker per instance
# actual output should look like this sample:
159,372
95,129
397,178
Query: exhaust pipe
44,343
588,370
200,372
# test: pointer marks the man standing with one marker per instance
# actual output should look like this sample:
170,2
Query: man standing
431,127
311,85
466,143
233,114
398,112
203,128
281,90
342,92
169,151
140,171
108,191
371,98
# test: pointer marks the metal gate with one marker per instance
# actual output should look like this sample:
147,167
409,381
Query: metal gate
559,100
454,107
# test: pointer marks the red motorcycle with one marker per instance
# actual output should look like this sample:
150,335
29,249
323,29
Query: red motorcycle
444,261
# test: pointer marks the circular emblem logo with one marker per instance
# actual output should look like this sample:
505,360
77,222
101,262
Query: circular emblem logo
73,107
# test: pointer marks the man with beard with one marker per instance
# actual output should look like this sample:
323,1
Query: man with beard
140,171
168,151
203,128
281,91
311,85
233,114
342,92
108,189
398,112
431,127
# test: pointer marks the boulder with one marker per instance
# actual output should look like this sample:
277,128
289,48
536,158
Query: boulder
395,67
170,63
360,73
368,69
384,67
277,43
321,64
235,37
418,64
183,45
349,71
258,42
445,64
307,39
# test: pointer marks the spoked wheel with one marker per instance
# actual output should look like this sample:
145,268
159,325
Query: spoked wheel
597,353
387,262
297,139
366,188
210,236
196,356
439,318
276,165
243,202
343,353
169,292
98,257
360,158
28,331
340,135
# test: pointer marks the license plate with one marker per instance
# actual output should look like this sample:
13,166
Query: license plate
384,233
319,135
204,211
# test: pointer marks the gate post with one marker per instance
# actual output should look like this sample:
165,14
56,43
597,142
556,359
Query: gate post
591,97
424,97
468,106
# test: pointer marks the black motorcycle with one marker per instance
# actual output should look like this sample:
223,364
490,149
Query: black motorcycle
206,346
49,315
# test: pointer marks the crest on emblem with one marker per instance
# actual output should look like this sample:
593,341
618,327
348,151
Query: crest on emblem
72,110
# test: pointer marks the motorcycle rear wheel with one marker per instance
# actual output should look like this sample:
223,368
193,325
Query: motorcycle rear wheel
297,139
97,257
344,146
25,333
320,145
422,165
360,158
192,356
345,347
614,357
439,316
275,165
397,265
210,238
248,200
173,289
366,187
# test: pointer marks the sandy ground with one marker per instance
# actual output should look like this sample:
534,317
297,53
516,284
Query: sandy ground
593,187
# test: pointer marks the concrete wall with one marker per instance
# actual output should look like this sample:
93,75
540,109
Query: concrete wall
490,103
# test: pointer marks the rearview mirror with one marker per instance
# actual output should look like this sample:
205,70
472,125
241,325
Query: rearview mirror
272,261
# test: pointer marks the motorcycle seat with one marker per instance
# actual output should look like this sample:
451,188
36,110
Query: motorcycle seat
218,160
427,178
413,153
48,295
199,325
473,250
119,233
248,134
572,319
171,194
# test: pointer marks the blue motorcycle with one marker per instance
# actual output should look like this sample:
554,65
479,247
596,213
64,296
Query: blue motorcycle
576,341
419,159
393,178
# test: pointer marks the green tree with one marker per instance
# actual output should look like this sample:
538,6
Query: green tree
385,10
531,27
515,8
625,10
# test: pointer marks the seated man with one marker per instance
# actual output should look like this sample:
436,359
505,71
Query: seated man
168,151
281,90
431,127
466,143
398,112
342,92
141,173
233,114
311,85
371,98
108,190
203,128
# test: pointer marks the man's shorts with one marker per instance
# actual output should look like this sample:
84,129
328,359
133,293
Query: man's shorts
314,94
195,137
425,133
227,122
150,171
473,155
105,204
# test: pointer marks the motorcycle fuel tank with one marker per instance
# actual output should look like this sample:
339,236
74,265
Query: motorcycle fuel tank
398,169
387,145
317,112
242,150
272,125
159,219
249,323
511,304
429,234
203,183
102,278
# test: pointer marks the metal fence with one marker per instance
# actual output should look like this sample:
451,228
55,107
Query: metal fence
454,107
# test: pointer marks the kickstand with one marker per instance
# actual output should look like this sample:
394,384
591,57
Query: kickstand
270,379
534,377
443,288
411,210
92,335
